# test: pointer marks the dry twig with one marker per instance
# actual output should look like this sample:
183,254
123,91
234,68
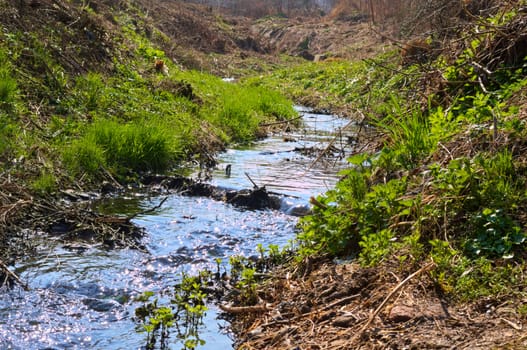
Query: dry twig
11,275
389,296
243,309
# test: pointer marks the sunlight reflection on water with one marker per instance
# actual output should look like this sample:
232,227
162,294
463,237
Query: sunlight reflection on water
81,297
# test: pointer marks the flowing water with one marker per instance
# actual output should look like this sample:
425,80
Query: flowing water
81,297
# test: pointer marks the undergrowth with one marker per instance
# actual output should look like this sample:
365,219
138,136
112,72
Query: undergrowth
448,180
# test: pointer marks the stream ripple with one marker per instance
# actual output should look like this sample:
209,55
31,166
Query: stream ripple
82,297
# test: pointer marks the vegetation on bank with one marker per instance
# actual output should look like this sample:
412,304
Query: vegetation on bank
444,178
133,110
447,180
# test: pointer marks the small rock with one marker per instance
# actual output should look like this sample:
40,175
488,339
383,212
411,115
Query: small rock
100,305
402,313
108,187
304,309
343,321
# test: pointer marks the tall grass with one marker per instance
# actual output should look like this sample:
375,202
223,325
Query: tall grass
8,101
241,111
136,146
409,136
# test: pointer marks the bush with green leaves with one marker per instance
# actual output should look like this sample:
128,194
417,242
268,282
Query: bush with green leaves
448,183
351,215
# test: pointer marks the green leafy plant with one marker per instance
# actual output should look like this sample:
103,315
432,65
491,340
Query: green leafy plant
247,286
375,246
495,234
184,313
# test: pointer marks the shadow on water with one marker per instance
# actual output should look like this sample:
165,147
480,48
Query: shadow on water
81,297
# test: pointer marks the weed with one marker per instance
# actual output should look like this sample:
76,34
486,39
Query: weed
495,234
45,183
135,146
409,139
247,285
91,92
184,313
8,89
84,157
375,246
522,310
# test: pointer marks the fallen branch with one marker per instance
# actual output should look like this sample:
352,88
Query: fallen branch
512,324
254,183
314,312
316,203
243,309
339,302
11,275
112,178
281,122
130,217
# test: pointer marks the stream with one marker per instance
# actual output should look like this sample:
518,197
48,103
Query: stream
81,297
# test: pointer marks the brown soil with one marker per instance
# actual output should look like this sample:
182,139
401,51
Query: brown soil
223,44
318,38
344,306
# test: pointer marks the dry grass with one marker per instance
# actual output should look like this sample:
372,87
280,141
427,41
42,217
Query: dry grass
344,306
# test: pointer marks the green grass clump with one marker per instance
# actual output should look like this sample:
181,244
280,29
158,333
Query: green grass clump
8,90
9,99
46,183
135,146
84,157
242,110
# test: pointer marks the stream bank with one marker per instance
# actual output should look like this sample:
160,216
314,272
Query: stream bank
328,304
80,292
